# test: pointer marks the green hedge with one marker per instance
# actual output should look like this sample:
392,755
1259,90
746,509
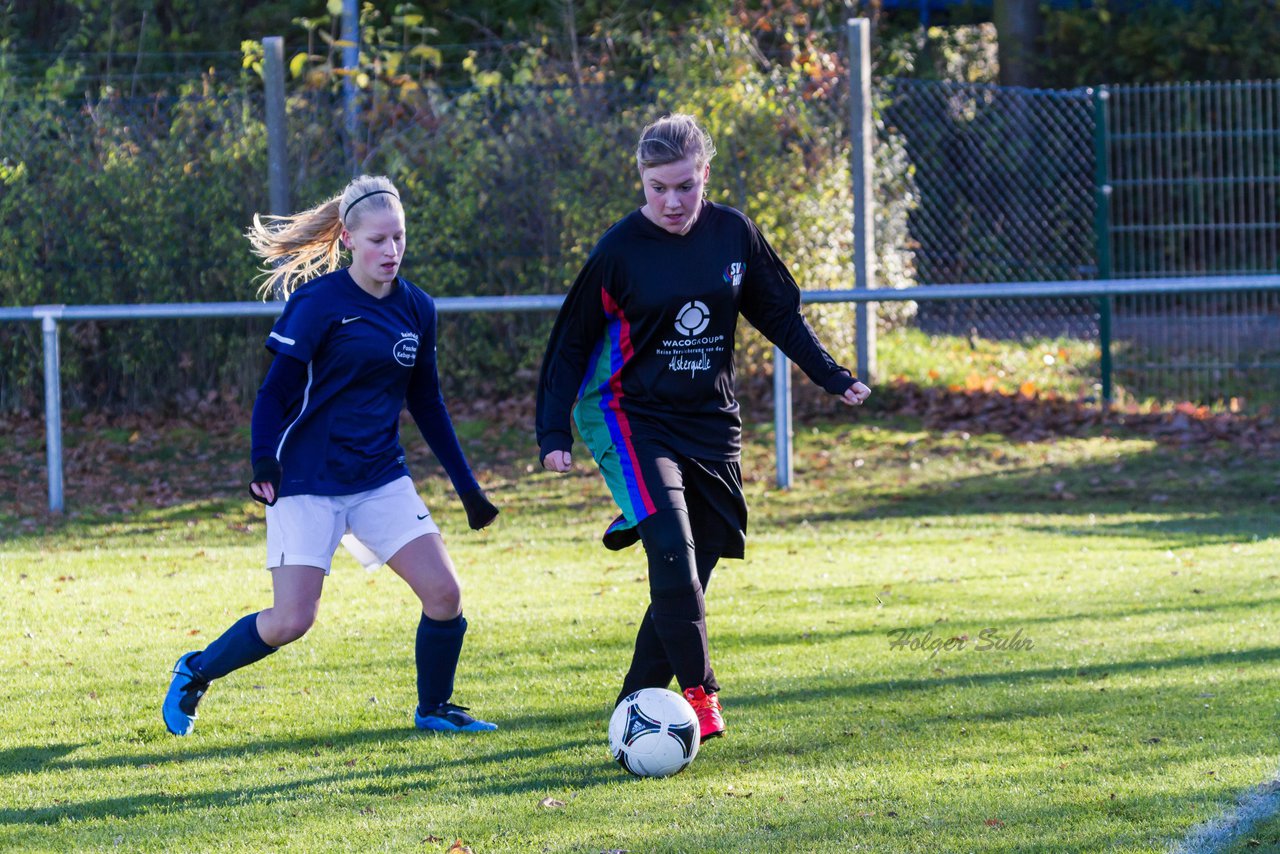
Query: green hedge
508,183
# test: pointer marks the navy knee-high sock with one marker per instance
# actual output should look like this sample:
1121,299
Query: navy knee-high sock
438,647
237,647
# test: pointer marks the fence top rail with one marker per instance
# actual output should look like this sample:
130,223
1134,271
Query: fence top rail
551,302
1088,288
138,311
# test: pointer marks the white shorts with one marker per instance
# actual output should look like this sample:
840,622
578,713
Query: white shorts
304,530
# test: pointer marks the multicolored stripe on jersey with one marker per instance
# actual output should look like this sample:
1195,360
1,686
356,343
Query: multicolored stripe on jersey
602,420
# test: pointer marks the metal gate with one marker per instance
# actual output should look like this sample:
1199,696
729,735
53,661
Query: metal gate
1193,179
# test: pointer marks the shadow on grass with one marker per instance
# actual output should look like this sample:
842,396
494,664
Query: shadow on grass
612,640
1229,510
384,780
583,496
1188,531
1106,822
19,760
493,767
908,482
54,757
1262,655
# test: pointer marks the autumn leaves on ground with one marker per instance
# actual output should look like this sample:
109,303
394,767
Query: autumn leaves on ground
977,622
119,463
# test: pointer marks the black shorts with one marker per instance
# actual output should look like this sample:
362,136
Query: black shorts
649,476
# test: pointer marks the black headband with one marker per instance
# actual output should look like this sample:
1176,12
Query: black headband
365,196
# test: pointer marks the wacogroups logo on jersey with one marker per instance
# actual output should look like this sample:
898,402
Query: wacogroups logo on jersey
734,272
693,318
406,349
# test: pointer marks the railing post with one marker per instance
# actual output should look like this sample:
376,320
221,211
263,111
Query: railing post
52,406
277,151
861,172
351,65
782,416
1102,234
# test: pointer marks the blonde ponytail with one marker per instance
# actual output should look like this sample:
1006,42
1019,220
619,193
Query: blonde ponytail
300,247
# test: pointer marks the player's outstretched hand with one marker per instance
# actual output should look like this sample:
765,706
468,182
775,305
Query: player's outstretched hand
561,461
480,510
265,486
855,394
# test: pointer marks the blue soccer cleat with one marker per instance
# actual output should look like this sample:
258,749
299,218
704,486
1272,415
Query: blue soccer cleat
184,695
447,717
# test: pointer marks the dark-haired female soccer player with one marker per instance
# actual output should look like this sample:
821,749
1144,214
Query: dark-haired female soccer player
643,346
352,347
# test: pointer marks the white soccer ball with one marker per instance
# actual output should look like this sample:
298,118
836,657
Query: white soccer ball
654,733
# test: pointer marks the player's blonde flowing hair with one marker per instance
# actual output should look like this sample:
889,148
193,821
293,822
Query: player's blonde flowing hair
300,247
673,138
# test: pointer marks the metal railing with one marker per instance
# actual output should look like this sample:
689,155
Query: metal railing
906,182
1103,290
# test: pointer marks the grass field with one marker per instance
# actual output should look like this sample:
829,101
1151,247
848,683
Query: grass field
1132,587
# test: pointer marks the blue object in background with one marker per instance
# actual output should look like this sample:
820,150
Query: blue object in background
983,8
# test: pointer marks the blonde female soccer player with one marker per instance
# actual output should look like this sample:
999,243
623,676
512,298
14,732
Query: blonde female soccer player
353,346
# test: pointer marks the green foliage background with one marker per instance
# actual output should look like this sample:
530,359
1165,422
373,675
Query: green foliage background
1106,41
514,152
509,179
1161,42
127,201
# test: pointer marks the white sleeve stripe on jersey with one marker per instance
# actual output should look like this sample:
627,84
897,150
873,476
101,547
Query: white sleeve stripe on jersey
306,397
282,339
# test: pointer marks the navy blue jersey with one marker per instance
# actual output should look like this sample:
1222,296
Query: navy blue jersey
361,354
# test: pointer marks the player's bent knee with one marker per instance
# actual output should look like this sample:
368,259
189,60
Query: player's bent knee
671,561
285,628
667,538
444,602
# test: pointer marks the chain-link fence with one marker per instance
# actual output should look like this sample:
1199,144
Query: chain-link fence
507,186
74,76
1167,181
1003,181
117,197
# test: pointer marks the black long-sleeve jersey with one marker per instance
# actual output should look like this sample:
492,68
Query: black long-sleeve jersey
644,341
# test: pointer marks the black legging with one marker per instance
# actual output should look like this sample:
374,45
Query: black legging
672,638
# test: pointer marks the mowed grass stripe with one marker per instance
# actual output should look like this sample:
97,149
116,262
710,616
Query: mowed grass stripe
1142,709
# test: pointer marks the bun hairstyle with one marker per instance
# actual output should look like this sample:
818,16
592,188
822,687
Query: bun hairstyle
671,138
300,247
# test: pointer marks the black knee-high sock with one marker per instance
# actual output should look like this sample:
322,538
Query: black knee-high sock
682,627
438,647
650,667
677,613
237,647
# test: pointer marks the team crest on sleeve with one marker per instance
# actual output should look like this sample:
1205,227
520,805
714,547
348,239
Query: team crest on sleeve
406,349
733,273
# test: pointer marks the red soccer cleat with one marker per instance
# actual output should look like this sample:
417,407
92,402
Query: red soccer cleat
710,715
